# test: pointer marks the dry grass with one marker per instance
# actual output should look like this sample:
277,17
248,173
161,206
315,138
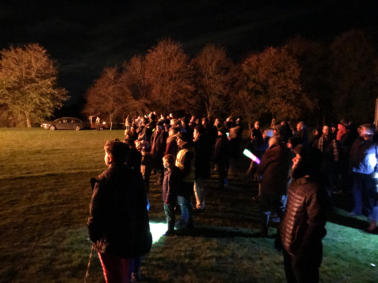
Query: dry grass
44,188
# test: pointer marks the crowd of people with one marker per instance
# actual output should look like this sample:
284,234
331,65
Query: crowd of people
297,172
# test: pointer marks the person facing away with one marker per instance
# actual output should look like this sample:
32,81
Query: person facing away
202,156
303,226
221,156
363,159
118,223
171,184
185,163
274,174
158,145
172,147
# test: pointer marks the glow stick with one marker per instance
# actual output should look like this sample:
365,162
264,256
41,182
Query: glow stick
251,156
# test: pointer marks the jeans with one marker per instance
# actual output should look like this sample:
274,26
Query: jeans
169,210
363,193
186,212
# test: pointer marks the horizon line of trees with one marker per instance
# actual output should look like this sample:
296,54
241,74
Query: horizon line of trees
300,80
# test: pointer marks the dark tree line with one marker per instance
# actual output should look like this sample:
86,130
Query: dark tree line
302,79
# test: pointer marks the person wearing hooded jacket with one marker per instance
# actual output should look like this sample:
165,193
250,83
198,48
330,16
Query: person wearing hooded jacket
118,223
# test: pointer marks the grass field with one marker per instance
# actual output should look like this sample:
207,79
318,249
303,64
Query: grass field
45,191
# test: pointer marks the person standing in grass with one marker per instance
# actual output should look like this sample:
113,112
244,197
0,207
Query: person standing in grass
364,160
185,163
118,222
171,183
303,226
202,156
221,156
273,173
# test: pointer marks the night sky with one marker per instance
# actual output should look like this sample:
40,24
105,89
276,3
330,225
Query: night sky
84,37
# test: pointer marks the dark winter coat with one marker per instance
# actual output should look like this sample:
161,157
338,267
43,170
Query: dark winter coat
221,150
274,170
118,220
235,141
171,185
303,225
171,147
158,144
257,142
202,156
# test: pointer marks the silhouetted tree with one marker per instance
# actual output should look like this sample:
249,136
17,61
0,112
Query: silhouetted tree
169,76
271,84
312,58
28,83
108,97
353,76
133,79
213,79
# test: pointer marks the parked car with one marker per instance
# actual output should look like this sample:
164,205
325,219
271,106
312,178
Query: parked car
64,123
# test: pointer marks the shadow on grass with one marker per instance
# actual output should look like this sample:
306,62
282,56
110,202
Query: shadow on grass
341,218
343,203
220,232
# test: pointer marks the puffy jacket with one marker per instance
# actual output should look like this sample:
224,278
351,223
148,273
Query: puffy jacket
304,221
118,221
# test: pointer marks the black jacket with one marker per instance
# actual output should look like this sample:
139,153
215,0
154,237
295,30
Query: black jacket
221,150
202,156
118,220
274,170
303,225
